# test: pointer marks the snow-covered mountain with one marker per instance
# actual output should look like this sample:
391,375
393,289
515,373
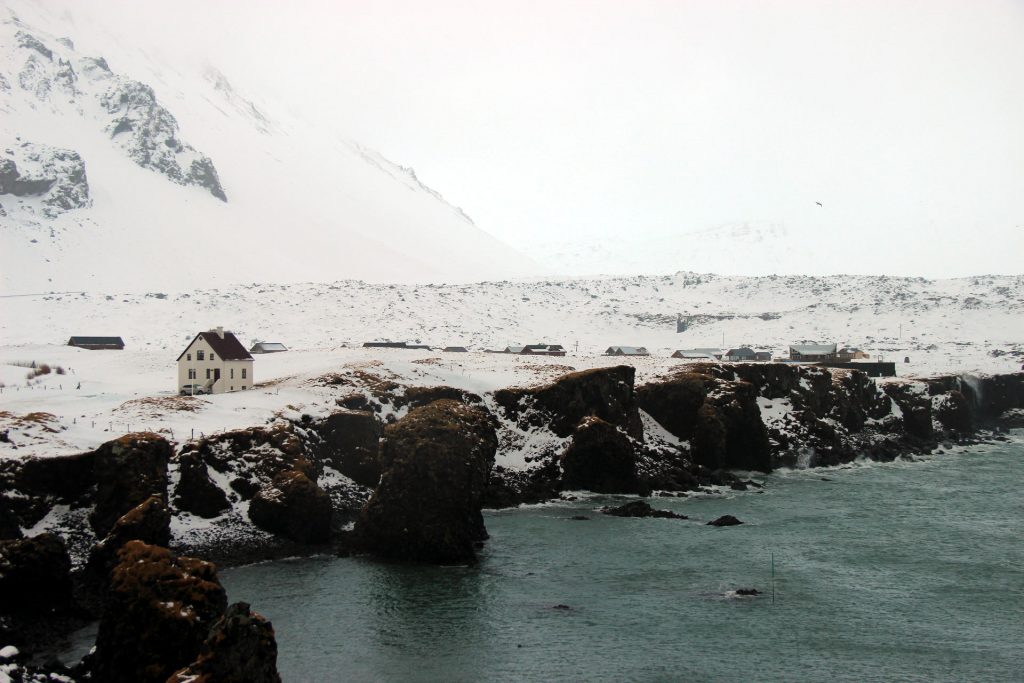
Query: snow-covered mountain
119,173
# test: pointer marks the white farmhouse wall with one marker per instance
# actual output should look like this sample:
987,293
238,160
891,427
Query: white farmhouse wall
231,371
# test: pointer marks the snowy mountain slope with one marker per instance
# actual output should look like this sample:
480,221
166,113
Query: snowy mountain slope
942,325
187,182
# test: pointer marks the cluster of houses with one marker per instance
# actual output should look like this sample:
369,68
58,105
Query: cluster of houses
802,353
216,362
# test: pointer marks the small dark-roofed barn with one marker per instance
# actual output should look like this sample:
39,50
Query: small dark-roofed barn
97,343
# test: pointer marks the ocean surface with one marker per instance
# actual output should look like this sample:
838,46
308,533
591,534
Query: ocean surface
909,571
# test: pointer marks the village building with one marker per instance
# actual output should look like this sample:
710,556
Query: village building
214,362
97,343
743,353
543,350
455,349
698,354
812,352
394,345
850,353
267,347
626,351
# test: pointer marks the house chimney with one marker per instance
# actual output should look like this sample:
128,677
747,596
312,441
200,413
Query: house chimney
220,332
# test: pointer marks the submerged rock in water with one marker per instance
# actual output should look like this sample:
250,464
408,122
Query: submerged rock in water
427,505
725,520
639,508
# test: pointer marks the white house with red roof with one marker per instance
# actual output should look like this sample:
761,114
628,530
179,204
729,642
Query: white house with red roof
213,363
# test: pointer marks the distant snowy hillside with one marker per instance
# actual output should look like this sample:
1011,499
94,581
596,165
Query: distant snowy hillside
120,172
970,324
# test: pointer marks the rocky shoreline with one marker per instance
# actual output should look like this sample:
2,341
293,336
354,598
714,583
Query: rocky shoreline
401,473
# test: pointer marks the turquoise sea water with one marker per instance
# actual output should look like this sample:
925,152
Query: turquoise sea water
885,572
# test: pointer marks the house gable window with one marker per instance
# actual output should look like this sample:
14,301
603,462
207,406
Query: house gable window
188,356
200,355
212,357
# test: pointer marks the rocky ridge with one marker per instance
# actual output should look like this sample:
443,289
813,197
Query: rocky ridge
443,454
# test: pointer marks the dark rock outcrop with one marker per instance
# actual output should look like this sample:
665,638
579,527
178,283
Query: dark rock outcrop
349,442
35,576
149,522
293,506
55,175
127,471
254,456
916,407
729,432
600,458
639,508
240,648
148,133
195,491
720,418
158,613
606,393
427,506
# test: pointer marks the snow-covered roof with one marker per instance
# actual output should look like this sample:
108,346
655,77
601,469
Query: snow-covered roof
627,351
267,347
812,349
227,347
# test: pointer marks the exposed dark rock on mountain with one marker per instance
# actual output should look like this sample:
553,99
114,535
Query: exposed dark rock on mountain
606,393
196,492
128,470
56,176
240,648
293,506
639,508
427,506
350,441
138,124
158,614
600,458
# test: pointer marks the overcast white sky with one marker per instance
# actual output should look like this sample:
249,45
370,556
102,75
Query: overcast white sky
586,119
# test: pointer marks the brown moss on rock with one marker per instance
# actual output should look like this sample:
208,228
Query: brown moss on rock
159,610
437,460
606,393
293,506
600,458
241,648
127,470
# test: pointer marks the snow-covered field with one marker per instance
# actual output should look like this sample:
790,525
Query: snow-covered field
972,325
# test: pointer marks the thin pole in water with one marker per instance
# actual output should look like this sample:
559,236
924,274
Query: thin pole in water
773,578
